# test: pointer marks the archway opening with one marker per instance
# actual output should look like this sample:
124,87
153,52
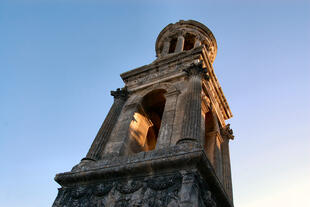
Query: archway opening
144,128
209,135
189,41
213,143
173,44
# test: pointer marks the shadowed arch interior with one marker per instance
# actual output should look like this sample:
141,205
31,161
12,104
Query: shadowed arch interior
189,41
173,44
144,127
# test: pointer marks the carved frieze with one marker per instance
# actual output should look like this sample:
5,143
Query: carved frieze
102,189
157,191
152,75
128,187
160,183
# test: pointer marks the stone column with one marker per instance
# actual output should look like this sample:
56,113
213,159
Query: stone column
197,43
166,47
191,125
104,133
227,134
180,43
166,127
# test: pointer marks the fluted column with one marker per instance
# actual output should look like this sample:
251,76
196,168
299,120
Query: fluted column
227,134
104,133
192,111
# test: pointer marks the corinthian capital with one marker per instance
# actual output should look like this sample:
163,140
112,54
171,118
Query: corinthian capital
227,132
197,69
120,93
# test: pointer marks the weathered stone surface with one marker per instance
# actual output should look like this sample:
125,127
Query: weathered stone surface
171,189
192,111
157,170
179,30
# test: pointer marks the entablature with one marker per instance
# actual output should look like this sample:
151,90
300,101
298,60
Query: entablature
160,69
215,87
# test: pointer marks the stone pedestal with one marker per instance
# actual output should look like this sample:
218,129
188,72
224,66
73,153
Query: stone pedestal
171,177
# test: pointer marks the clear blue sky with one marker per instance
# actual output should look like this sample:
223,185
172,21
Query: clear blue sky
59,59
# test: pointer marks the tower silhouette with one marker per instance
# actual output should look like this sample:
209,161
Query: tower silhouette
164,141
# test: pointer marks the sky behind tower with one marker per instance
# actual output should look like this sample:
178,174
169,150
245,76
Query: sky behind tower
59,60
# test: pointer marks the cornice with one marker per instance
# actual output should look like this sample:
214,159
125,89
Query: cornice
160,62
217,87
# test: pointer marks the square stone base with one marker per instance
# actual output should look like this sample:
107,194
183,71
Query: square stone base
173,177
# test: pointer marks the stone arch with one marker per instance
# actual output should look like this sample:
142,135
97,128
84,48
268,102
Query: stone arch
146,121
170,88
137,98
145,125
133,99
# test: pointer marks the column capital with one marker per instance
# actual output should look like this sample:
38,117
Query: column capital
227,132
180,33
197,69
168,39
120,93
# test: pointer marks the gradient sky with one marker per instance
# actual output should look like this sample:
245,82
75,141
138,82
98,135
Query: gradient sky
59,60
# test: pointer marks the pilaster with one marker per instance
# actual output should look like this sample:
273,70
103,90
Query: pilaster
227,134
191,125
166,127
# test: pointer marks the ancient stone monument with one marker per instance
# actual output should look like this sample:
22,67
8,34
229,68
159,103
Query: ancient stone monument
164,141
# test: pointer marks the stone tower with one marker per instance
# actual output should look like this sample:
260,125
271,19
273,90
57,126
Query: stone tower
164,141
